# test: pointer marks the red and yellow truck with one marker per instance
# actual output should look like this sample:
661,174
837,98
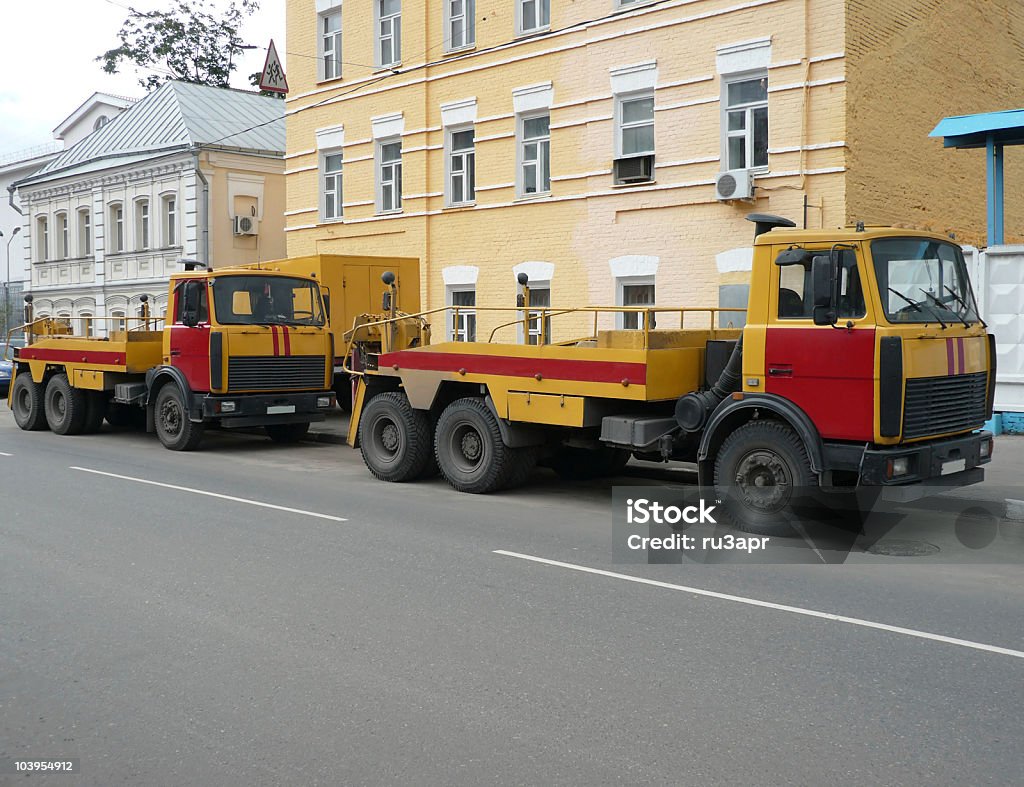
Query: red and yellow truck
239,348
863,362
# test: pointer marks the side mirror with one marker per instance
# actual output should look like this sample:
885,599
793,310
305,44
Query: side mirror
385,301
822,289
193,294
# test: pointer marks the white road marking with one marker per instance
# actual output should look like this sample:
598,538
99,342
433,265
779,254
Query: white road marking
213,494
771,605
5,454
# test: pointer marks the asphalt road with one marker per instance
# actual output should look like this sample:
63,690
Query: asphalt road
362,633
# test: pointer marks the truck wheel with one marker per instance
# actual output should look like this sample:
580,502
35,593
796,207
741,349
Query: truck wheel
761,473
27,403
286,433
394,438
470,452
170,418
65,406
580,464
95,409
343,395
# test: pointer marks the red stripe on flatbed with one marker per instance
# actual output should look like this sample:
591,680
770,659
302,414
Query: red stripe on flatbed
71,356
548,368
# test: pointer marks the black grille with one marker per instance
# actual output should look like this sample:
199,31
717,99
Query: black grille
263,373
937,405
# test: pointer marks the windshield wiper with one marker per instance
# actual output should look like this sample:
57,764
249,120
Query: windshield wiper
917,306
941,305
965,304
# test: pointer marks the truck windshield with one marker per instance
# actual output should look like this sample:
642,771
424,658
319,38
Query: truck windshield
923,280
267,300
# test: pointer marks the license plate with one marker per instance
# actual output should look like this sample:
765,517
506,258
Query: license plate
954,467
276,409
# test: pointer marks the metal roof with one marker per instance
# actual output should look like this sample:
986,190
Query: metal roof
179,115
972,131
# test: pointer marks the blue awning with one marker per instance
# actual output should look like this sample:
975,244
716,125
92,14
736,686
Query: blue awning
973,131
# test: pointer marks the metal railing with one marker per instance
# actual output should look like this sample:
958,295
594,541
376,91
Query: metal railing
28,329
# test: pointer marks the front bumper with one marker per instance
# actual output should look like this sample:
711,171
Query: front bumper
263,409
952,461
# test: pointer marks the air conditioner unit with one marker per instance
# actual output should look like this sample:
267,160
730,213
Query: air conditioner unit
246,225
734,184
637,169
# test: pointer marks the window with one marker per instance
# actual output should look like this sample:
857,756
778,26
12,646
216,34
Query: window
191,299
42,239
795,301
459,23
116,228
533,15
461,167
259,300
635,119
389,32
331,165
142,224
84,233
119,316
539,328
101,121
923,281
389,176
535,155
463,324
85,323
63,245
746,122
635,291
629,3
330,45
170,221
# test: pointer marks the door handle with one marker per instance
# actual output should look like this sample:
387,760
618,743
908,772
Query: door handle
175,352
780,371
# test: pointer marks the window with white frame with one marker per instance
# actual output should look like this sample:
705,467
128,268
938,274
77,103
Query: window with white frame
461,167
84,232
169,222
85,323
42,239
532,15
539,324
463,319
534,155
330,165
63,239
117,227
330,44
120,323
745,121
630,3
389,31
459,24
635,291
389,175
142,224
634,118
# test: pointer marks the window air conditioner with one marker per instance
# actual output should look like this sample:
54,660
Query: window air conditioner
637,169
246,225
734,184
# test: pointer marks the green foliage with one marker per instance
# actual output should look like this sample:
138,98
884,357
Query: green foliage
192,42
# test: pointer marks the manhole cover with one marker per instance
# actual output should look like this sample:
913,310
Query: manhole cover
899,548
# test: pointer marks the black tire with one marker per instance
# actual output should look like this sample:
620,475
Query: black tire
343,395
763,476
470,452
170,418
580,464
286,433
395,438
65,406
95,410
27,403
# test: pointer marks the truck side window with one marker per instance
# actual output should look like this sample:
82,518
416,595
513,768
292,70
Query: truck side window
794,286
851,293
191,296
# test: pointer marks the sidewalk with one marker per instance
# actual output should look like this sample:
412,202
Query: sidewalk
333,430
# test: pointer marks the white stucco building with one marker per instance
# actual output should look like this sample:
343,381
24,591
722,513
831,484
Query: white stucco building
107,220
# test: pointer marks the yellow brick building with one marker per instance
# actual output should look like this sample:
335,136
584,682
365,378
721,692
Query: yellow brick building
583,142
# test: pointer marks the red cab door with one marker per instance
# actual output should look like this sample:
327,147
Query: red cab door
190,333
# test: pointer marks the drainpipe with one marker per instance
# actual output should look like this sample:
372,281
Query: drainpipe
203,251
10,199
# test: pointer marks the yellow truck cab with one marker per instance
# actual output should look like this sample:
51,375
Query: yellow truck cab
239,348
863,363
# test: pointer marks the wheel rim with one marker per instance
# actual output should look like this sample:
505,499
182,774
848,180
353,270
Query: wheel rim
764,481
170,417
59,404
387,438
467,447
21,401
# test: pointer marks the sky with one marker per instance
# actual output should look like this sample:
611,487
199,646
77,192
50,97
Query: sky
47,70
